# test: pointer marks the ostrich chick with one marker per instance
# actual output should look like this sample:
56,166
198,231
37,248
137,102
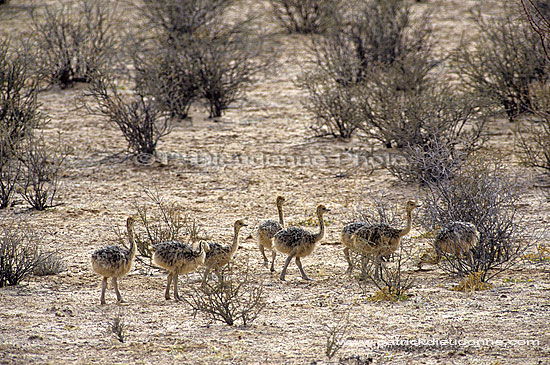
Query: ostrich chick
381,240
454,238
220,255
297,242
177,258
346,238
115,261
267,230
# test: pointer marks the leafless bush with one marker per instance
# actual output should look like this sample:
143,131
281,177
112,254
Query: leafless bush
503,63
534,132
484,194
159,221
538,13
177,19
49,263
304,16
336,108
376,47
41,172
216,58
72,42
233,297
19,114
118,327
393,282
19,253
170,75
139,117
228,59
336,335
383,210
434,128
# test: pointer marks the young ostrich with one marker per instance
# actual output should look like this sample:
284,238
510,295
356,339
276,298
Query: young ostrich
220,255
177,258
297,242
381,240
346,238
267,230
454,238
115,261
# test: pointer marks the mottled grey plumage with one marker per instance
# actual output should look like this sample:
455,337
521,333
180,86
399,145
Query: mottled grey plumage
348,230
297,242
220,255
346,238
381,239
267,230
454,238
114,261
178,258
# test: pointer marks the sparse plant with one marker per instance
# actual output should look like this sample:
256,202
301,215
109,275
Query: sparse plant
228,60
138,116
534,132
484,194
538,13
49,263
118,327
233,297
503,63
19,114
304,16
336,335
377,49
177,19
171,75
393,283
41,172
216,58
472,282
159,221
19,253
73,42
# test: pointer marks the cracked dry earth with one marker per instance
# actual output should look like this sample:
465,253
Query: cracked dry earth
220,171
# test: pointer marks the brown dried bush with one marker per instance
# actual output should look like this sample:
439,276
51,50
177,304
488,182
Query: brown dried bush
304,16
503,63
73,41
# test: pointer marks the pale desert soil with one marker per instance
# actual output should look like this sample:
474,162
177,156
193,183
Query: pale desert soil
262,147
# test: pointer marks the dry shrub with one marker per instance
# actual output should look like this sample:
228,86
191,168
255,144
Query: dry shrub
375,49
19,114
19,253
161,221
118,327
42,166
538,13
171,74
73,41
139,117
485,194
233,297
336,335
304,16
472,282
216,57
176,19
534,131
49,264
393,284
503,62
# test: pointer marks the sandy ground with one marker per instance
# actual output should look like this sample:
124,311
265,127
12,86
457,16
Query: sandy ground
220,171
